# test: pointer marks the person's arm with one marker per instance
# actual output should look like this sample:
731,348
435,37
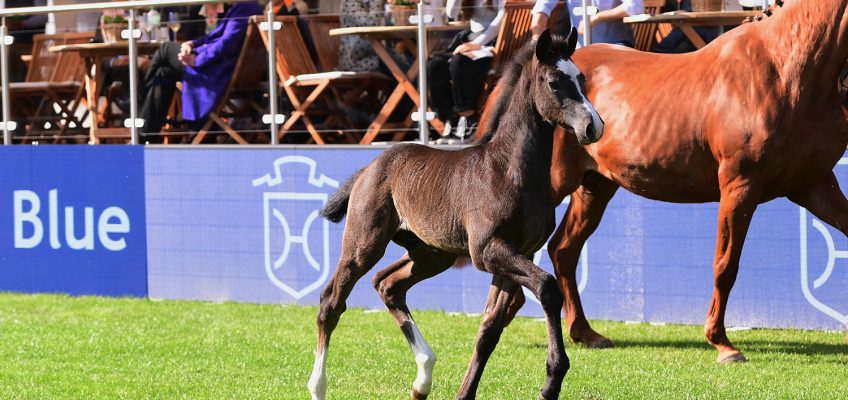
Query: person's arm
491,31
616,14
452,9
541,13
227,46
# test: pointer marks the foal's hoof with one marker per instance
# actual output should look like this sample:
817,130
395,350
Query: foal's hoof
731,357
418,396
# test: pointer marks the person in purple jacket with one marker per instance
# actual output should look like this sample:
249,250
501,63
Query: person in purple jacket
204,65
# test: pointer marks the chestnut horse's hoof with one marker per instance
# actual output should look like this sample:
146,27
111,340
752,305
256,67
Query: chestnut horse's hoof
600,343
731,357
593,340
418,396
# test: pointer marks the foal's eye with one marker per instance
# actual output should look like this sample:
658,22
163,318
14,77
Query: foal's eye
553,85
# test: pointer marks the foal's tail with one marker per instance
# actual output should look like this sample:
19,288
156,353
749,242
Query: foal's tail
336,206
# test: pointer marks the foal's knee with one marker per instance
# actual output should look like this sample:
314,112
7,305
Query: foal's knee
550,294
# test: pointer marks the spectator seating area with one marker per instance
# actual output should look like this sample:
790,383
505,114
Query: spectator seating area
321,104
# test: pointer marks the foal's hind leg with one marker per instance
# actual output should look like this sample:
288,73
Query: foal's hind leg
584,213
501,296
363,244
497,257
392,283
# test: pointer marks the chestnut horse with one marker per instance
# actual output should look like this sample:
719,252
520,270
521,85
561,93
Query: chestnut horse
491,202
753,116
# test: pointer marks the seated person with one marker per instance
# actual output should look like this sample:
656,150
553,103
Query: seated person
606,25
355,53
204,65
676,41
456,76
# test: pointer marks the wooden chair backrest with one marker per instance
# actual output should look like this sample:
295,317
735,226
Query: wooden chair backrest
250,68
47,66
292,54
514,32
326,46
645,35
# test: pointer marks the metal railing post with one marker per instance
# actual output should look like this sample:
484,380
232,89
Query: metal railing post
424,130
587,25
8,125
134,122
272,75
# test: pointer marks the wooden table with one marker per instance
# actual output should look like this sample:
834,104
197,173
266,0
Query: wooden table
406,35
686,21
94,55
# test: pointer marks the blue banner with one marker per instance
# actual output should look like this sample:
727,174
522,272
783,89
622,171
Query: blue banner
73,220
242,225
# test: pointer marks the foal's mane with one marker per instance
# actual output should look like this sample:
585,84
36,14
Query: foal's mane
508,82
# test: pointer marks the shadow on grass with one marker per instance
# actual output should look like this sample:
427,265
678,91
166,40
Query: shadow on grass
749,346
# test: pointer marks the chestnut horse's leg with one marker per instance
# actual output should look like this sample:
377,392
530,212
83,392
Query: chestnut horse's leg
501,296
392,283
736,208
363,244
584,213
496,256
826,201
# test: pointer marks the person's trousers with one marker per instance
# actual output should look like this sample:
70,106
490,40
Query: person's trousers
159,85
455,82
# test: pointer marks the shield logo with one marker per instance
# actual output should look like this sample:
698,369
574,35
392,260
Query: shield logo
824,271
297,246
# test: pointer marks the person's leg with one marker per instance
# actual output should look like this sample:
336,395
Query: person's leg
468,76
159,85
439,83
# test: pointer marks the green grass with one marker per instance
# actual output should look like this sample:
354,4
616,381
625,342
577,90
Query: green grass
89,347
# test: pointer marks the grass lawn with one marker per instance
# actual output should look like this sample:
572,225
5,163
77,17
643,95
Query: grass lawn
89,347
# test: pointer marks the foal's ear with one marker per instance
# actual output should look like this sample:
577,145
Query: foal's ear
572,42
544,51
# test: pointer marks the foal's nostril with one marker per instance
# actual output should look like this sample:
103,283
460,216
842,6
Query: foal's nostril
590,131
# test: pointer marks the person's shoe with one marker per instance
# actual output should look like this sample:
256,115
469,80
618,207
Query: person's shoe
461,128
447,135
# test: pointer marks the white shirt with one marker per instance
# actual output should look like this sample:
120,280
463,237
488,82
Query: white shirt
485,21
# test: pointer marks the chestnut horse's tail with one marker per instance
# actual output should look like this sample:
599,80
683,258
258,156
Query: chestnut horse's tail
336,206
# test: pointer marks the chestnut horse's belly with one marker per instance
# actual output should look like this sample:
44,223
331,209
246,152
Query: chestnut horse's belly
686,174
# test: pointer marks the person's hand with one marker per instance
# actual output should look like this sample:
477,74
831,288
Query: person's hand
466,47
581,28
186,48
188,59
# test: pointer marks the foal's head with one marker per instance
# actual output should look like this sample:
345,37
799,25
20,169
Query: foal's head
558,88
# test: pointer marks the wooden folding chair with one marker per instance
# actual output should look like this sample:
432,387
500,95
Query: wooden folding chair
53,79
239,98
646,36
326,46
299,75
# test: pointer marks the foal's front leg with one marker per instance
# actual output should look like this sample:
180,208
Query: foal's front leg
497,257
501,295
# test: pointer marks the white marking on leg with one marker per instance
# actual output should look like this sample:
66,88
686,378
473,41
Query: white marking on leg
570,69
425,359
318,380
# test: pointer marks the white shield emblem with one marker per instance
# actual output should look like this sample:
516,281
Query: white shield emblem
817,269
297,246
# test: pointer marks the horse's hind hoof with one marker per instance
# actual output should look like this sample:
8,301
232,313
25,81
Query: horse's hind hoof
418,396
731,357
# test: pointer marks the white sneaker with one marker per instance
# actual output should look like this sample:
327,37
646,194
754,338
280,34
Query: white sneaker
461,128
